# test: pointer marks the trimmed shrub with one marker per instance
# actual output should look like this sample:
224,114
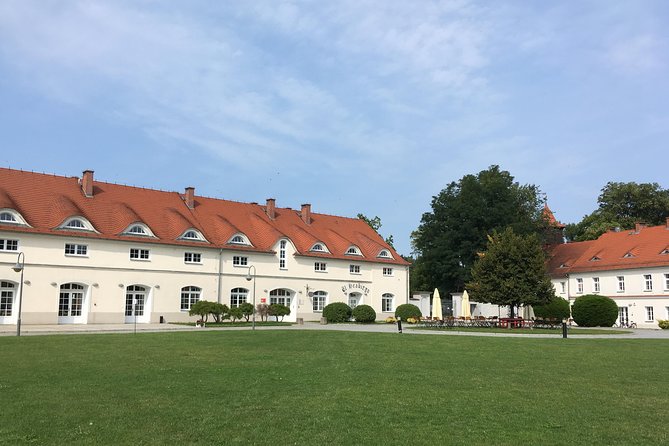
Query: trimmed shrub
337,312
663,324
593,310
405,311
247,310
278,311
556,308
391,320
235,313
364,314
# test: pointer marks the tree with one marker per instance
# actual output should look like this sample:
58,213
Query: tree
247,310
463,215
235,313
512,271
622,205
204,308
263,311
375,224
278,310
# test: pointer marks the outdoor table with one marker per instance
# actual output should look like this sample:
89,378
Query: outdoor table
513,322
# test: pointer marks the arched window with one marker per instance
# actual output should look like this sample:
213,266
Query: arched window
387,303
189,296
7,293
137,230
319,300
192,235
7,217
239,239
77,224
71,300
280,296
353,251
238,296
385,254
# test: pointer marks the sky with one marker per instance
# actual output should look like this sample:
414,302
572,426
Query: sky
353,106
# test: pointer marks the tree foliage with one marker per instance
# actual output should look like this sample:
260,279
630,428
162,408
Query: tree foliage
337,312
204,308
278,311
247,310
463,215
622,205
375,224
512,271
556,308
594,310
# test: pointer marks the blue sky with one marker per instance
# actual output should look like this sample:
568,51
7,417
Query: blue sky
353,106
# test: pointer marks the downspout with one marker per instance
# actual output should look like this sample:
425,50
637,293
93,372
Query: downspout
220,275
408,284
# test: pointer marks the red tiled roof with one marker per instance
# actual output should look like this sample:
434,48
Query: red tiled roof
645,245
548,215
46,201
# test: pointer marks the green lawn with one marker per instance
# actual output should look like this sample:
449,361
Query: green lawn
544,331
318,387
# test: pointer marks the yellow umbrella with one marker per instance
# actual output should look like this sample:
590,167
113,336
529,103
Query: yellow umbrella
436,305
466,311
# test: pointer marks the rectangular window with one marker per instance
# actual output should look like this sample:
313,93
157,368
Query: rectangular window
621,284
650,316
282,254
647,282
386,303
139,254
72,249
666,282
387,271
240,261
192,257
354,269
319,301
9,245
563,287
595,284
579,286
320,266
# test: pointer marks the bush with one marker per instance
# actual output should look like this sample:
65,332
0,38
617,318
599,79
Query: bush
204,308
663,324
593,310
262,310
247,310
556,308
337,312
278,310
235,313
405,311
364,314
391,320
413,320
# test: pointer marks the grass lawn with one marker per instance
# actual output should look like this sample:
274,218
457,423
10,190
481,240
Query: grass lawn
546,331
313,387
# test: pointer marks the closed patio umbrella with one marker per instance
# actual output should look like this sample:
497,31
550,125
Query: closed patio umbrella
466,311
528,312
436,305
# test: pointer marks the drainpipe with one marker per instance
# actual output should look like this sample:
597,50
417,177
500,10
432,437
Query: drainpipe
220,275
408,284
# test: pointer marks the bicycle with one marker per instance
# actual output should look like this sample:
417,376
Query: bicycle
625,325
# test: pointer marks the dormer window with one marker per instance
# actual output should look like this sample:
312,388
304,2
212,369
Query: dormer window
353,251
665,252
77,224
6,217
319,247
563,265
239,239
629,255
595,259
193,235
138,229
11,217
385,254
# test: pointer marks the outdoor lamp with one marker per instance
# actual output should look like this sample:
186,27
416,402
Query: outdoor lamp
248,278
20,263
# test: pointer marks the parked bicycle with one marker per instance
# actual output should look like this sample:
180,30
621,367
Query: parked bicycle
625,325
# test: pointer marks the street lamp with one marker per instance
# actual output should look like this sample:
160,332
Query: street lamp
249,277
19,269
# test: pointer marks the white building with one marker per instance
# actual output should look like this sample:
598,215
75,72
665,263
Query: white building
92,248
631,267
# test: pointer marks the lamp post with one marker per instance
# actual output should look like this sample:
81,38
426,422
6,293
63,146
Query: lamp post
19,269
249,277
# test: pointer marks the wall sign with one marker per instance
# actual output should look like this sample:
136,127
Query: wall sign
346,289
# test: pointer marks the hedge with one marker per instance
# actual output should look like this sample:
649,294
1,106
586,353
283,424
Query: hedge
364,314
405,311
337,312
556,308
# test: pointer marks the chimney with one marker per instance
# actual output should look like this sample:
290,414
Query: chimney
638,227
189,197
306,213
667,222
87,183
271,208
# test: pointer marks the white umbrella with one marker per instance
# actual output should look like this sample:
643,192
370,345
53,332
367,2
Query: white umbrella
436,305
528,312
466,311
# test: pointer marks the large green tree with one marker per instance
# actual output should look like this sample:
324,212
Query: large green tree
622,205
375,224
463,214
511,271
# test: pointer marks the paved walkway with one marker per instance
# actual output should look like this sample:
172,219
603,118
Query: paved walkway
29,330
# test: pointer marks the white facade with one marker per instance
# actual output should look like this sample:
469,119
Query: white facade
642,294
62,285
